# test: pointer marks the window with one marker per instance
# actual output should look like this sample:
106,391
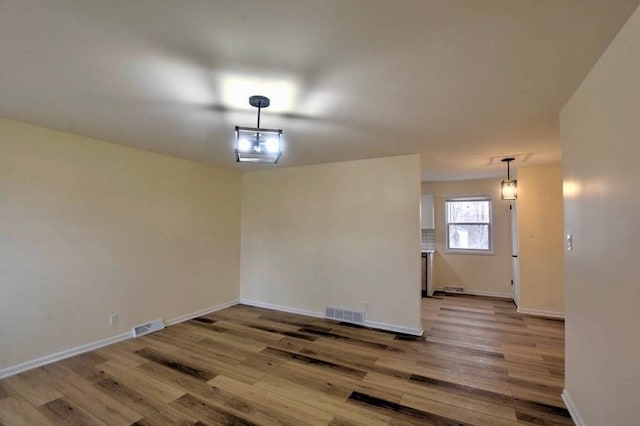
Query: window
468,224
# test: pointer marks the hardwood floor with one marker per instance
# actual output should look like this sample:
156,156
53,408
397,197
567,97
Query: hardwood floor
479,363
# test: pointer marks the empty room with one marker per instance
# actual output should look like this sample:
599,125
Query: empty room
342,212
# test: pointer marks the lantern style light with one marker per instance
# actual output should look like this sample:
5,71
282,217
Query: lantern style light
255,144
509,188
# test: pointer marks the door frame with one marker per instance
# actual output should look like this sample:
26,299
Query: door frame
515,263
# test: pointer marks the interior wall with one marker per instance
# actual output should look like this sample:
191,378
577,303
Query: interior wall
600,150
540,239
479,273
342,234
89,228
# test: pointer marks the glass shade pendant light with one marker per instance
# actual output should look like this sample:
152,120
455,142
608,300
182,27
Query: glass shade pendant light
257,145
509,188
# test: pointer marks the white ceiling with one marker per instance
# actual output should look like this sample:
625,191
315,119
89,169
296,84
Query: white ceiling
459,81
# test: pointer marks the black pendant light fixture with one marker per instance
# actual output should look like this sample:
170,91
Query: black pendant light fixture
257,145
509,188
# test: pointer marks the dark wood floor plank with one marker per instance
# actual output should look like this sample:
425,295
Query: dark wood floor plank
175,362
318,361
63,412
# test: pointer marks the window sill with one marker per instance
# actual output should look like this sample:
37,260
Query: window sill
471,252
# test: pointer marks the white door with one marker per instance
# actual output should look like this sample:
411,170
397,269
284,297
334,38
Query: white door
514,253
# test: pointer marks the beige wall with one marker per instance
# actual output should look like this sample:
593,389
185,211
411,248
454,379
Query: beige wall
484,274
540,247
600,143
89,228
339,234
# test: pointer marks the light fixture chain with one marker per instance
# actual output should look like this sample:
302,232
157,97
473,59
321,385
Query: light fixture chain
259,109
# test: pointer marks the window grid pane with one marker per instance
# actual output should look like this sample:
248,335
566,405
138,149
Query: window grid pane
469,211
469,237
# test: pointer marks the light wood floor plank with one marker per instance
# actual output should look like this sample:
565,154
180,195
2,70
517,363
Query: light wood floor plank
99,404
454,412
153,410
17,411
444,396
147,386
302,412
323,401
36,394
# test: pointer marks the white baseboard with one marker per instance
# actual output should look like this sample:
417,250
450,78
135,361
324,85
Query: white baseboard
572,408
201,312
483,293
48,359
541,313
281,308
395,328
316,314
489,294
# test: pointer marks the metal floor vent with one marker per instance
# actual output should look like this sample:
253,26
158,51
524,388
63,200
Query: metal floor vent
454,289
345,315
151,327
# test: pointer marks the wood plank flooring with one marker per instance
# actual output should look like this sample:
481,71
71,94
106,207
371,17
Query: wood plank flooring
479,363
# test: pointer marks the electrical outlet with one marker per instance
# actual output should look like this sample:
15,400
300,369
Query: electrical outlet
366,306
113,319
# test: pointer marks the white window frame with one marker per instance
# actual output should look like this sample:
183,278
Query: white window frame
476,197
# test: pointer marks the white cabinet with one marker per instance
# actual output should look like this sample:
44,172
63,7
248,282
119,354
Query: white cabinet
426,211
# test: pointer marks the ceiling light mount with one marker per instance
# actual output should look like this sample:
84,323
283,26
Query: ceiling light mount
255,144
258,101
509,188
